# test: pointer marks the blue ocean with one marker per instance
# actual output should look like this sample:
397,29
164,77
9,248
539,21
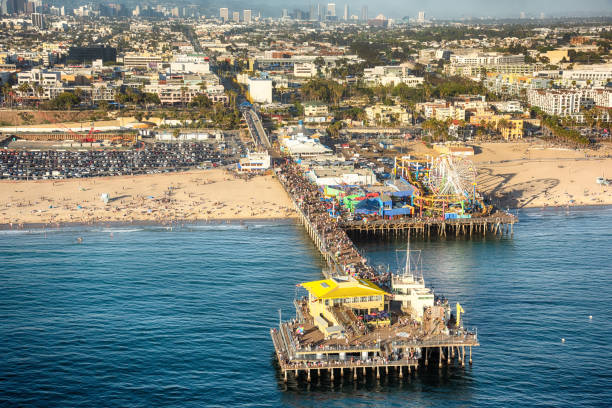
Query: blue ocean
141,316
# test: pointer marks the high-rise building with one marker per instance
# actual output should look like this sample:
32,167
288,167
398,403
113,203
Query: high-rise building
331,10
346,12
236,16
38,20
421,17
364,13
285,13
246,16
522,15
224,13
14,6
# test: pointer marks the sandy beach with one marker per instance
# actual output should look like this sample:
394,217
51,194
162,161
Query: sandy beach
194,195
516,174
533,175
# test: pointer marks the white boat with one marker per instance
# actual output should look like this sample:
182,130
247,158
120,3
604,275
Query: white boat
409,287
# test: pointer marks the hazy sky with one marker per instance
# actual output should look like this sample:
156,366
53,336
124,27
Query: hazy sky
457,8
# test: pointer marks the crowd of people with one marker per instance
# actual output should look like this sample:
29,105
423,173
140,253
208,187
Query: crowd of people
336,241
151,158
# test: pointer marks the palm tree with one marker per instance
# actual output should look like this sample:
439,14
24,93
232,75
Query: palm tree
183,92
24,89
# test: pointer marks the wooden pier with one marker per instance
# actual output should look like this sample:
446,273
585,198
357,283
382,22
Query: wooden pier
349,361
497,224
397,350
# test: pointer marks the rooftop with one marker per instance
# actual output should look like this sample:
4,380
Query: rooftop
337,289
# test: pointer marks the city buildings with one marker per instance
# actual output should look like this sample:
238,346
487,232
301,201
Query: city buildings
260,90
571,102
92,53
364,13
421,17
224,13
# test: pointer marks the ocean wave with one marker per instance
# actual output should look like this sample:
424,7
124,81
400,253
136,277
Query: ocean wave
121,230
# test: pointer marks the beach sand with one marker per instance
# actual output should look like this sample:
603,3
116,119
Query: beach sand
193,195
516,174
532,175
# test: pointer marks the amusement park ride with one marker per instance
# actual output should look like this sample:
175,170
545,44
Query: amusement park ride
444,185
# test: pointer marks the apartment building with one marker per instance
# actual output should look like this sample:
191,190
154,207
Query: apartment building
514,84
596,75
304,70
449,112
40,77
478,59
567,102
315,109
380,113
141,61
513,129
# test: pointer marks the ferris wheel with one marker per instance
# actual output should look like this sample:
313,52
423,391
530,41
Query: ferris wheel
452,176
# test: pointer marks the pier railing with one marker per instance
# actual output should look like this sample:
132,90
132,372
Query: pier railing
328,364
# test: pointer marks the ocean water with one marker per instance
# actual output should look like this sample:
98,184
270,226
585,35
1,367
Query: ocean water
155,316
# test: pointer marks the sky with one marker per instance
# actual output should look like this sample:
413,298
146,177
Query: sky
453,8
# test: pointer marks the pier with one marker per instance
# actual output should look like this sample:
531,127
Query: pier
329,338
496,224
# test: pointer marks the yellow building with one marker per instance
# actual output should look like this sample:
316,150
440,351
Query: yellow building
324,296
510,129
513,130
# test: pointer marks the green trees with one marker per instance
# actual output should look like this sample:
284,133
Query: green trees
201,101
131,95
65,100
552,123
323,90
319,62
437,129
24,88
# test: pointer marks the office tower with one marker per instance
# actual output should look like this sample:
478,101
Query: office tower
421,17
236,16
312,16
285,14
331,10
224,13
246,16
38,20
522,15
364,13
346,12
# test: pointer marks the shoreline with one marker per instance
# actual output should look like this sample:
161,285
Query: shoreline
195,195
149,223
224,221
